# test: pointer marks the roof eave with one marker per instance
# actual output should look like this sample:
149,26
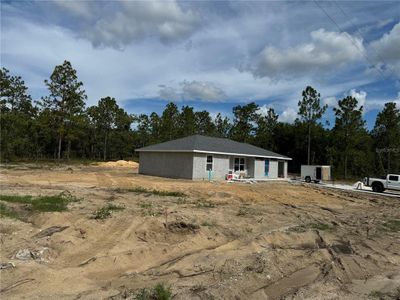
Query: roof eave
216,152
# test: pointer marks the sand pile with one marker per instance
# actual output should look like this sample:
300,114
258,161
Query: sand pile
119,164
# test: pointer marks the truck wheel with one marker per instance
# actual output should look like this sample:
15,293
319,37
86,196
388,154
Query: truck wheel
307,179
377,187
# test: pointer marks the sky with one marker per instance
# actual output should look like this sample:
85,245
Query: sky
211,55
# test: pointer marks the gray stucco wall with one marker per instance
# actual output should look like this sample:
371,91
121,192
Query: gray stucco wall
193,165
220,166
273,169
250,166
166,164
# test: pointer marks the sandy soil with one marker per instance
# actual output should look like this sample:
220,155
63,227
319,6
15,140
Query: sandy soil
269,240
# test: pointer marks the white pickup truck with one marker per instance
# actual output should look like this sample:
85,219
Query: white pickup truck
390,182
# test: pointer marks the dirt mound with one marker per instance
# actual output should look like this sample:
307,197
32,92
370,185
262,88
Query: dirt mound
119,164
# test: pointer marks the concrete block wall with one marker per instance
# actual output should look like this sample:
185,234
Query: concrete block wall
220,166
166,164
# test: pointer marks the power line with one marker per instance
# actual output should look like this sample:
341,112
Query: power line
360,34
351,40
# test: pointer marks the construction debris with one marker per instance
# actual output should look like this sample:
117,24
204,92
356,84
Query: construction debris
49,231
7,265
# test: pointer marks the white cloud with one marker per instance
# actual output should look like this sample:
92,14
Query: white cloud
330,101
137,20
263,109
196,90
386,51
288,115
193,90
361,97
388,46
326,51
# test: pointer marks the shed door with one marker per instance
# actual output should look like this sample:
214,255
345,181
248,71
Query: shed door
281,169
318,173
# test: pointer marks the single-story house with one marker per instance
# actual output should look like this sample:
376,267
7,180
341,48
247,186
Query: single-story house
204,157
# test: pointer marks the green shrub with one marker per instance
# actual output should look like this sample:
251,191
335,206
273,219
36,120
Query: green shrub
159,292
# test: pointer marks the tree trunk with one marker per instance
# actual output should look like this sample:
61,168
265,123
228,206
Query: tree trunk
105,147
59,146
309,144
345,165
69,149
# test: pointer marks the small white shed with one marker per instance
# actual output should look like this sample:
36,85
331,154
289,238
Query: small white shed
315,173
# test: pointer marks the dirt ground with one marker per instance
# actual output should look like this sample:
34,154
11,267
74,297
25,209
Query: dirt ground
271,240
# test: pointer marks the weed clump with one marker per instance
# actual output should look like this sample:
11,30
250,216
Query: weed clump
8,212
106,211
149,210
202,203
141,190
159,292
392,225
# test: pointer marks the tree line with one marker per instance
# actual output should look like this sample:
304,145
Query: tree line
60,126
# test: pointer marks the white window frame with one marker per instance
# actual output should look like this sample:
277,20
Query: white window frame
212,162
244,164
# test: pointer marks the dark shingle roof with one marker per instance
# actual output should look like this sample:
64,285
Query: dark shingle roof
210,144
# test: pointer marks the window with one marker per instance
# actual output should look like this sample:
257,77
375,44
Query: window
393,178
266,167
239,164
209,164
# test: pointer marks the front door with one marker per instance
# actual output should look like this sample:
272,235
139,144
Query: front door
266,167
393,182
281,169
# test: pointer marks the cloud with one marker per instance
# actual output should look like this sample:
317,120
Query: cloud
330,101
361,97
326,51
263,109
387,47
138,20
76,8
386,51
288,115
193,90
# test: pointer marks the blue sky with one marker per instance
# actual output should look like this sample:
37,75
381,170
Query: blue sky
210,55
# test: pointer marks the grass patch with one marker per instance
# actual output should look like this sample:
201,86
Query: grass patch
181,201
208,224
141,190
248,211
204,204
149,210
159,292
391,225
8,212
106,211
42,203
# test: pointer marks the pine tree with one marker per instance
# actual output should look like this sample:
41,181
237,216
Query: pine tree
66,100
350,133
386,133
310,111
